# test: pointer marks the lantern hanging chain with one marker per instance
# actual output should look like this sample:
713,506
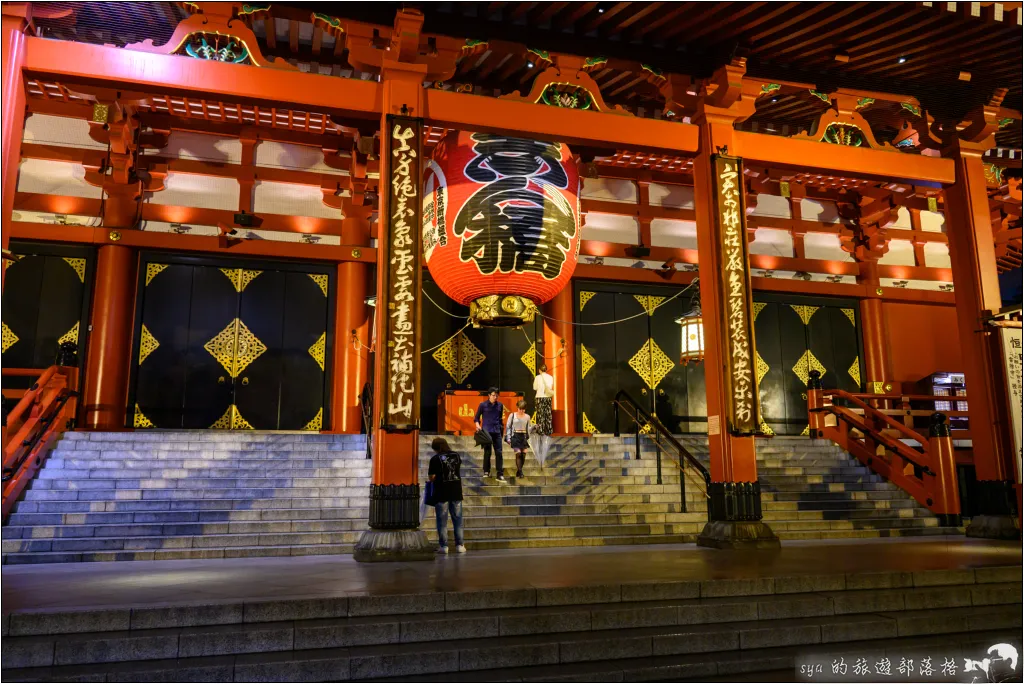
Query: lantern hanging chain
444,311
436,346
546,358
627,318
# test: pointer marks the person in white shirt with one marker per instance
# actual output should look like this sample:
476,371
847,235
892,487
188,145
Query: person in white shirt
544,386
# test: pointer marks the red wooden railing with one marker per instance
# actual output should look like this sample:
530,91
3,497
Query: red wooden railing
928,472
45,410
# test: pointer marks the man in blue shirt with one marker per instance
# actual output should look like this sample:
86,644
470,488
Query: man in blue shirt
488,418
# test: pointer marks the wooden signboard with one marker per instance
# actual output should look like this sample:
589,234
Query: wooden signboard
400,253
737,326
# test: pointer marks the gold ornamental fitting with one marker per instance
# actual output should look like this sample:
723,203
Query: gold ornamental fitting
501,311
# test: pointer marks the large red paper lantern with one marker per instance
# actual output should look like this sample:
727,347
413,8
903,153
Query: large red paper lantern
501,228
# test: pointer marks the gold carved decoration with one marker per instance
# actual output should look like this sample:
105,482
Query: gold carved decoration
849,313
318,349
231,420
235,347
585,297
589,427
321,280
459,356
854,371
70,335
760,366
566,84
529,358
140,420
153,270
806,364
9,338
804,312
649,302
766,430
147,344
806,431
842,124
240,277
317,423
758,307
78,265
586,361
651,363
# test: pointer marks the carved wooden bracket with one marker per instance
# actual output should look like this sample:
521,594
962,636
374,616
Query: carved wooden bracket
407,44
567,84
870,212
214,33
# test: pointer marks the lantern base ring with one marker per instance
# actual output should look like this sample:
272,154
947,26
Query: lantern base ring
501,311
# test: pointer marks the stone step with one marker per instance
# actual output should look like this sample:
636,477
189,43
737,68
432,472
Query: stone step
203,541
174,517
413,635
133,529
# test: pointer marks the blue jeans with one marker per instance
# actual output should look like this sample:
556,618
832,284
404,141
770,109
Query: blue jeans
442,510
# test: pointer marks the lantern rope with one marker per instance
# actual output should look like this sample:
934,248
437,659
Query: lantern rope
436,346
627,318
444,311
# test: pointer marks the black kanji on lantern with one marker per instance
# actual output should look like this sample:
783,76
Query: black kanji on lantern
519,221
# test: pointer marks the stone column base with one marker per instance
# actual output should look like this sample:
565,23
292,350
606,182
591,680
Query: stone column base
738,535
376,546
994,527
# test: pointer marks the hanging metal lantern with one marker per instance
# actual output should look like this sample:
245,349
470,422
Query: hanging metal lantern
501,228
693,331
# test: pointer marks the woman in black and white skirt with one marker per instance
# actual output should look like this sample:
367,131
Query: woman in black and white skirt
544,386
517,432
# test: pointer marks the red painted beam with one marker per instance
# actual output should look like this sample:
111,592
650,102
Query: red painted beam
807,155
81,63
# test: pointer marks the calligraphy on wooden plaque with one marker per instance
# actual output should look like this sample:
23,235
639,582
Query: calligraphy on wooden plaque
738,338
400,252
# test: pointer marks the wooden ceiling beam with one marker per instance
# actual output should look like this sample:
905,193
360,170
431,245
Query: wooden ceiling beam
806,13
889,31
701,24
645,10
568,17
293,35
814,26
824,39
270,31
603,17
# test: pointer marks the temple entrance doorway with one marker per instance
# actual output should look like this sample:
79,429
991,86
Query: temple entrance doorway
640,353
231,345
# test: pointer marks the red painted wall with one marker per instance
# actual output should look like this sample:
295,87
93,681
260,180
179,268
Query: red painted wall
923,339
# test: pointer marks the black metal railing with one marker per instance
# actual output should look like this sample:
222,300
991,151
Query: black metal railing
646,424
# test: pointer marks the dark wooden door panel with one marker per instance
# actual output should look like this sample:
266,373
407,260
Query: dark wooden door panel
671,398
213,324
161,347
23,284
304,354
632,353
770,367
260,352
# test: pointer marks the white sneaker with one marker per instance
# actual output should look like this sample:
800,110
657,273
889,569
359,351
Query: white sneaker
460,548
443,550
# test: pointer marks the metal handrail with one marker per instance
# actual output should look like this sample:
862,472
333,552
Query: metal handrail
624,401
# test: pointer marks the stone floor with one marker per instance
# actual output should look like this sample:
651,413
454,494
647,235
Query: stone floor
94,585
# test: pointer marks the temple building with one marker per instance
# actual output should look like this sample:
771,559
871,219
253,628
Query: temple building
256,256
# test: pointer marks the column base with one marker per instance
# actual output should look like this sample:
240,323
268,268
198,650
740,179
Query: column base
721,534
993,527
383,546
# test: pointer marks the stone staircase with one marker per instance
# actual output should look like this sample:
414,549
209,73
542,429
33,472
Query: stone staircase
752,629
178,495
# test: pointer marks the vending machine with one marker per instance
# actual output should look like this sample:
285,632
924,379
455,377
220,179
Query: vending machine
946,384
